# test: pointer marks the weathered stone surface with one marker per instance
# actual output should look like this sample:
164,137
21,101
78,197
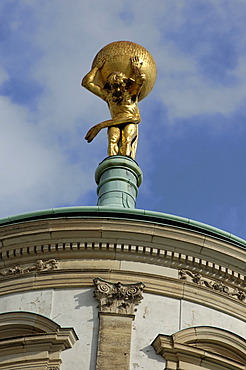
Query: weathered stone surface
114,342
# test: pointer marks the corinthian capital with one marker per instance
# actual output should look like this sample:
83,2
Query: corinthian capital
117,298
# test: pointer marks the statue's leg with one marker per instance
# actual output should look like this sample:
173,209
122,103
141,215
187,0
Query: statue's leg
129,140
113,140
134,144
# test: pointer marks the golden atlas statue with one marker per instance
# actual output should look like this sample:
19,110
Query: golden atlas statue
122,74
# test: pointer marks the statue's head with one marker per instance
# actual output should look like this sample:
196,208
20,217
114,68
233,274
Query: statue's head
117,80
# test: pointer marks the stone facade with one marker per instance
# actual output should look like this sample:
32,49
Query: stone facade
128,285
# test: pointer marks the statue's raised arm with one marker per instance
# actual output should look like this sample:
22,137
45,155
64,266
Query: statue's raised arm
139,76
89,80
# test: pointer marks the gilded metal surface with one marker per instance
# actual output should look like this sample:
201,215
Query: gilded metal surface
122,74
118,56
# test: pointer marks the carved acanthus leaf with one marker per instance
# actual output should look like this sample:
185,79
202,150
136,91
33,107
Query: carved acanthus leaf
117,297
40,265
212,284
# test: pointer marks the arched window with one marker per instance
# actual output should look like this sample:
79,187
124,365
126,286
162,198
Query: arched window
30,341
202,348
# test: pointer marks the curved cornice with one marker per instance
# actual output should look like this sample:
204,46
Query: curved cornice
147,241
131,214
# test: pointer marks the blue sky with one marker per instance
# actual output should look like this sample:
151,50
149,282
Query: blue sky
192,136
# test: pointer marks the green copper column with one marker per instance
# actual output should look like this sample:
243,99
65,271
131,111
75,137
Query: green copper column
118,179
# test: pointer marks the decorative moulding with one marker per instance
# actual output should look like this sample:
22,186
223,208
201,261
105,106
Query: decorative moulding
202,347
117,298
103,250
40,265
29,340
215,285
27,239
214,291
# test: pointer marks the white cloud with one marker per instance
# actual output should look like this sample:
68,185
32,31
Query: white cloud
33,174
187,93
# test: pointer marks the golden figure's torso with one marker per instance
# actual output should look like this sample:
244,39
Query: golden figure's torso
122,105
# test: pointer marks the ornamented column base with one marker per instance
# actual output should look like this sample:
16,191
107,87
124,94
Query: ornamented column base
118,179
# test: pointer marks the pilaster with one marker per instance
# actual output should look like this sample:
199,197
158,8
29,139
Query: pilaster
117,303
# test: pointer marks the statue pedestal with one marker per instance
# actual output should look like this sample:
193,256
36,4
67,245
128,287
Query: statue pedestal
118,179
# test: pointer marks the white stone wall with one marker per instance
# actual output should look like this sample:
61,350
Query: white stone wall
69,308
155,315
163,315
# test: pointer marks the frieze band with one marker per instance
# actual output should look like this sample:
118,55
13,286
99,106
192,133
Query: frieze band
40,265
211,284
